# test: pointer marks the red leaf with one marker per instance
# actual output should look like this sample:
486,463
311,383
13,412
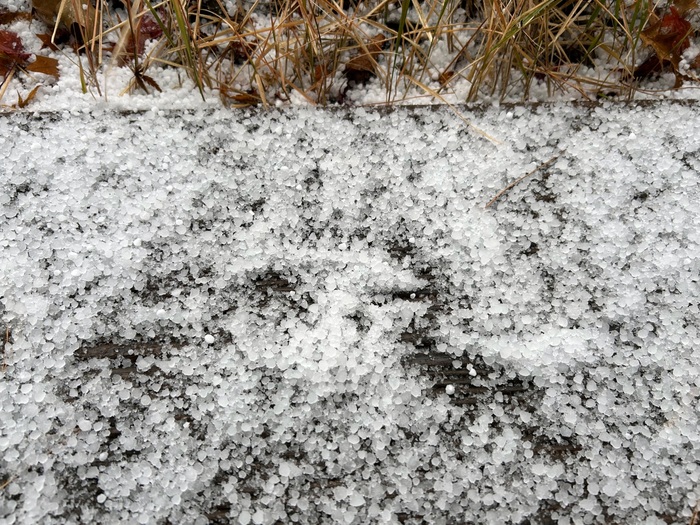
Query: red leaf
150,29
11,46
679,27
147,29
669,37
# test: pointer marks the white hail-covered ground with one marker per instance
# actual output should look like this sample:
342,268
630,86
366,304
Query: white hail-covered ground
308,316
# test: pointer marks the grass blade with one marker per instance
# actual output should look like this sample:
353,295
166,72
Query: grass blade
185,36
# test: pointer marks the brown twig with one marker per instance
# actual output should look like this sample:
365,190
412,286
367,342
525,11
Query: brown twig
9,480
7,340
695,513
524,177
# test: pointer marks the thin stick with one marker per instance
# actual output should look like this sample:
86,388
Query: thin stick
695,513
10,480
524,177
8,78
4,365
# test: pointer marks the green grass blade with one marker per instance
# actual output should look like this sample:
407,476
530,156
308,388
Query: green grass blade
594,16
184,34
160,24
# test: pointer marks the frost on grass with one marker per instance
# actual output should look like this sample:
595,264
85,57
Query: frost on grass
311,318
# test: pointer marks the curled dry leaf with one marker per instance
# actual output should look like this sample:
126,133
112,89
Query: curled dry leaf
670,36
445,77
241,98
250,98
79,12
23,103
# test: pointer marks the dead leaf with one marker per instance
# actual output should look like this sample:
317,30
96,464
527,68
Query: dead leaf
46,42
649,66
676,25
248,99
146,29
23,103
321,75
361,67
670,36
12,54
45,65
149,28
243,98
446,76
151,82
320,72
133,39
48,10
11,47
665,45
6,65
6,17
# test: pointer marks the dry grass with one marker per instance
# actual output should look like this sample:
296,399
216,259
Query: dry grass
318,50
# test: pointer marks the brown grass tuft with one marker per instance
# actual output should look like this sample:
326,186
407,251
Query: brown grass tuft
318,51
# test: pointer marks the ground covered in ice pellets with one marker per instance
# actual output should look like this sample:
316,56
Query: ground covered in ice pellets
309,316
